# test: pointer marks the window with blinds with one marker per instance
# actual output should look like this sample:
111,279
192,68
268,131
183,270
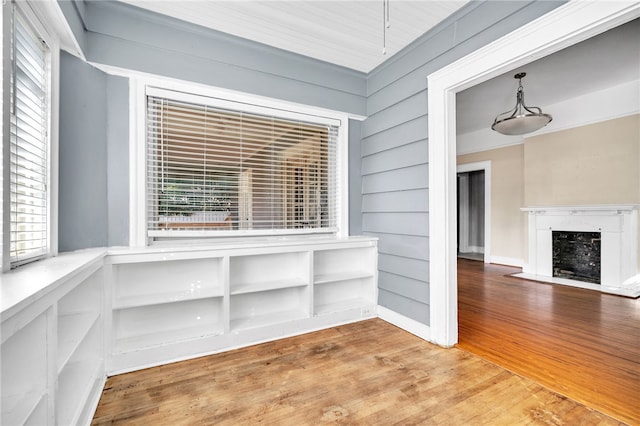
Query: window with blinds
227,171
29,145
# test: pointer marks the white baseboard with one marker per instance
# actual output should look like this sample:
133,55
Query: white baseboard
508,261
476,249
407,324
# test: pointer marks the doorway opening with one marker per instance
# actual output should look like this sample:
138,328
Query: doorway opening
474,211
471,215
565,26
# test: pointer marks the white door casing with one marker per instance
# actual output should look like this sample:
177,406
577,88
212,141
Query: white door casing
566,25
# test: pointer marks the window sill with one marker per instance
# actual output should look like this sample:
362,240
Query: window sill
238,243
29,283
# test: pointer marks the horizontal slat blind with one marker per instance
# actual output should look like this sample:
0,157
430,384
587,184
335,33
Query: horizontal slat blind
220,170
28,145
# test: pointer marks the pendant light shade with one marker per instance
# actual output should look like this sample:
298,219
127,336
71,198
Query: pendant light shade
522,119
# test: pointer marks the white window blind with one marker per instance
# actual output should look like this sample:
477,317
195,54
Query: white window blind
28,144
220,170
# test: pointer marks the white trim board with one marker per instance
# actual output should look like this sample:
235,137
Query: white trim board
632,292
407,324
507,261
566,25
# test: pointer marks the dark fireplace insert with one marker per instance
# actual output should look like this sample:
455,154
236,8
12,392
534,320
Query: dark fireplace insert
576,255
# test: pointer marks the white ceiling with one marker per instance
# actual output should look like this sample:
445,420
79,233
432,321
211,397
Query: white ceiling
350,33
346,33
607,60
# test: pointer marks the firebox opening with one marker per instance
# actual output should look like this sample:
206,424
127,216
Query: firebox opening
576,255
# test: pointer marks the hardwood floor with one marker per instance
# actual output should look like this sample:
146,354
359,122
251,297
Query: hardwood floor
580,343
365,373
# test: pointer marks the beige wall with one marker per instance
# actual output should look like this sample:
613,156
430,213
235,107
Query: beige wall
507,221
594,164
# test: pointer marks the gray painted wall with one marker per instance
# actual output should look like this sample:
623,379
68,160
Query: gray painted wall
120,35
118,160
395,164
388,164
82,211
125,36
94,156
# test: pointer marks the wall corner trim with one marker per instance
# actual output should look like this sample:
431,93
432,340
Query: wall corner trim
407,324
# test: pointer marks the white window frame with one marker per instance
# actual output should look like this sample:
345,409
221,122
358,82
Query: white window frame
138,86
36,17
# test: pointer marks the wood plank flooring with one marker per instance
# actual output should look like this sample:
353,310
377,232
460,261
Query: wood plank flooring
580,343
365,373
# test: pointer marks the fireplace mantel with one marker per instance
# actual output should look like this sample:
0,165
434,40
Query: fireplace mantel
601,209
618,226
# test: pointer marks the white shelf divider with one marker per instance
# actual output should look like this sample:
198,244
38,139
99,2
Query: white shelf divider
342,305
168,297
277,317
160,338
242,288
341,276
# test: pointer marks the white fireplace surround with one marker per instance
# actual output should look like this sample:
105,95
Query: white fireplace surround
618,227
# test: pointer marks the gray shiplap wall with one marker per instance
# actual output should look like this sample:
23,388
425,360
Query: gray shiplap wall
388,181
395,163
125,36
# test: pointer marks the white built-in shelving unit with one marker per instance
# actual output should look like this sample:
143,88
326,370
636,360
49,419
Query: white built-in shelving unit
101,312
80,353
52,347
172,304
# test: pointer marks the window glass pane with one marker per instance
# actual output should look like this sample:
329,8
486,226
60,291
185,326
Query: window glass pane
211,169
28,145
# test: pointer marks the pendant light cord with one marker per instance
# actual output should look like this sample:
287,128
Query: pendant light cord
385,24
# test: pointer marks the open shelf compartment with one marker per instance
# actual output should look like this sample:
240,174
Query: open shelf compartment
78,311
254,273
78,376
253,310
343,295
155,325
148,283
343,264
24,373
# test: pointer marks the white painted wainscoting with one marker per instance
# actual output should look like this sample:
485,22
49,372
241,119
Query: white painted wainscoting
618,227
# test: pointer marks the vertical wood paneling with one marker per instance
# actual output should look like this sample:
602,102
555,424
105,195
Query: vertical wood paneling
397,127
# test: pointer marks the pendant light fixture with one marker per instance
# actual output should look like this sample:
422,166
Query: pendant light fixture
522,119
